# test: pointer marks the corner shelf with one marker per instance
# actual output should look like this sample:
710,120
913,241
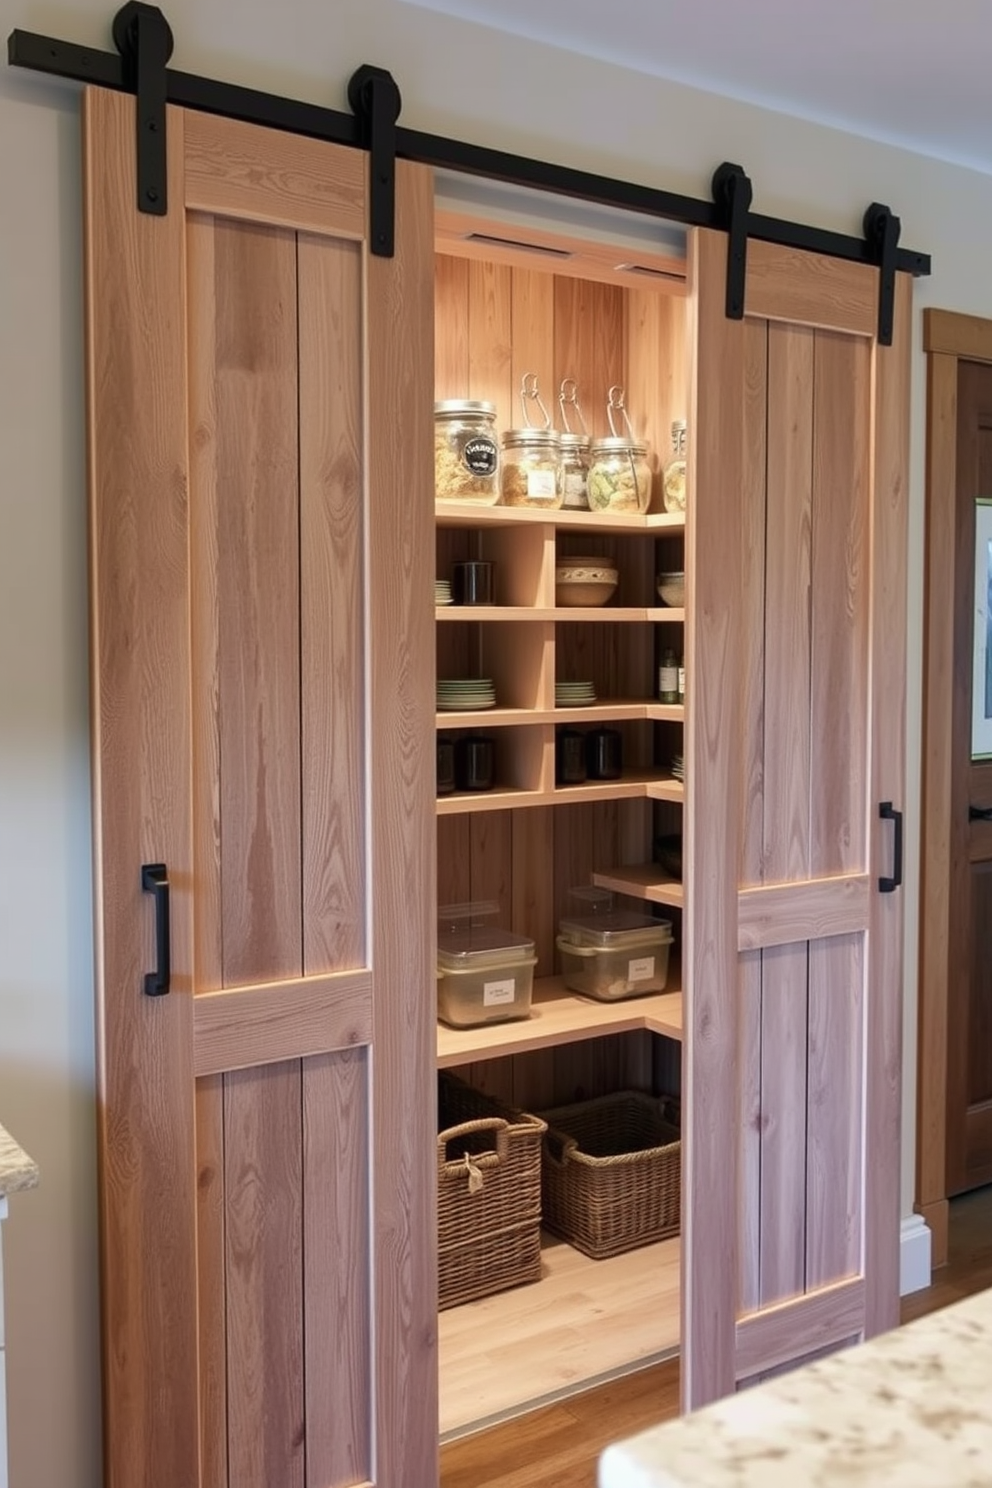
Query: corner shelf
630,788
607,710
563,614
559,1016
458,514
642,881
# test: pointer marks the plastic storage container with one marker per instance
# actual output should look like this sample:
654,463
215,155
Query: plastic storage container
612,954
485,974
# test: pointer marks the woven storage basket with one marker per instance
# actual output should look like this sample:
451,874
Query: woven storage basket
611,1171
491,1239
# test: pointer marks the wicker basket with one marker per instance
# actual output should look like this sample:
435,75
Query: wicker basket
611,1171
491,1239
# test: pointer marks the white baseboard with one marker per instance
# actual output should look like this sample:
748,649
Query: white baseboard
914,1255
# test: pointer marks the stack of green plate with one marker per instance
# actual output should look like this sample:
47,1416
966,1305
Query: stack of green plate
574,694
465,694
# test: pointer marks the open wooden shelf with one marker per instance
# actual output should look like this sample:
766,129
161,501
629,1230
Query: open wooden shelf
606,710
458,514
637,786
584,1322
642,881
559,1016
580,614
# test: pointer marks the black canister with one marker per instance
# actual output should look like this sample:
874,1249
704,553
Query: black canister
473,582
475,762
445,765
604,754
570,757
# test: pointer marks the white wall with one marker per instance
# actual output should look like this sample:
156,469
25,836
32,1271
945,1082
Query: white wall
455,79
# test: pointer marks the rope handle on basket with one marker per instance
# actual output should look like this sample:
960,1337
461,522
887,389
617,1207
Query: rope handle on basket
559,1147
473,1164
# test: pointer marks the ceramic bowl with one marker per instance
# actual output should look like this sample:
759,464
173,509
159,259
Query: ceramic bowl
671,589
585,581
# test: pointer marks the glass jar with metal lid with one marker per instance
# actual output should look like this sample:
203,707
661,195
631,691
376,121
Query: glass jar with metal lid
531,457
675,470
619,472
466,452
575,448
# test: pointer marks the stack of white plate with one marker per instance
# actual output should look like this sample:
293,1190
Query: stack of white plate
465,694
678,767
442,592
574,694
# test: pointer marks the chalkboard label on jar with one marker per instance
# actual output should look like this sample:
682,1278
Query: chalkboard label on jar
481,455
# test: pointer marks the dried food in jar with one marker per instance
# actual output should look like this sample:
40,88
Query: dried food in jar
466,454
619,476
674,484
531,468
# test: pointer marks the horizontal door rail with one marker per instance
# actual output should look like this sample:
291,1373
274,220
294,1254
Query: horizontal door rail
186,90
270,1021
802,1325
781,914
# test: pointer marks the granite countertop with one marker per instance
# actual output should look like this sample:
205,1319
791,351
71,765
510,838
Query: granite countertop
913,1408
17,1170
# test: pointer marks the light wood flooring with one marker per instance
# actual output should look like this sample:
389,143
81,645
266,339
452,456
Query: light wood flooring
558,1446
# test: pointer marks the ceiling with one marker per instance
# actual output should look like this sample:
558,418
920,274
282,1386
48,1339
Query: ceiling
903,71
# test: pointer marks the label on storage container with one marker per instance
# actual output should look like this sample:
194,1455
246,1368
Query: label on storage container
495,993
541,485
641,970
481,455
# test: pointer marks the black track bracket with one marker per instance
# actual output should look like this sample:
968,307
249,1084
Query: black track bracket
882,237
375,102
143,37
732,195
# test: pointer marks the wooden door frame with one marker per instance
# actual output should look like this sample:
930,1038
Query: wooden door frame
948,339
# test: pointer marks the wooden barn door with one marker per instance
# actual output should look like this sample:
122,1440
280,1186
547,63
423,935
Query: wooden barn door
795,738
261,548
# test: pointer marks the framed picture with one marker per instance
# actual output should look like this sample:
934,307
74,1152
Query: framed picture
981,674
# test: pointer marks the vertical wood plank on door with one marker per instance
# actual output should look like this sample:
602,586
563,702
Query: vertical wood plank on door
786,804
255,340
490,329
211,1275
835,1114
400,494
137,479
883,1064
263,1188
712,756
336,1282
332,639
752,802
451,333
840,597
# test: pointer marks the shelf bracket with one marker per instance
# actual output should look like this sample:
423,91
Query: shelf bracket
375,101
732,195
143,37
882,236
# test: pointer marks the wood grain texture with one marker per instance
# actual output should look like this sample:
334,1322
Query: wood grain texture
273,1021
656,373
490,338
332,621
590,344
779,1334
936,787
951,334
337,1303
835,1177
712,732
137,477
266,175
263,1184
532,887
883,1064
255,376
451,334
532,319
400,488
211,1275
787,603
781,914
810,289
839,604
784,1037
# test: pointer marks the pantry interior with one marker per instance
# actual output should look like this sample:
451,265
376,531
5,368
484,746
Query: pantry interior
518,301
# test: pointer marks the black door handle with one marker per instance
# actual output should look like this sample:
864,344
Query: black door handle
155,880
980,813
887,812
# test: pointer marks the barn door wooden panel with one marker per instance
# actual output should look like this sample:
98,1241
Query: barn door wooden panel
796,646
261,526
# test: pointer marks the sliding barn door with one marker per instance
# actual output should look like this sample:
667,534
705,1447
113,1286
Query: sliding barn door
261,546
795,739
